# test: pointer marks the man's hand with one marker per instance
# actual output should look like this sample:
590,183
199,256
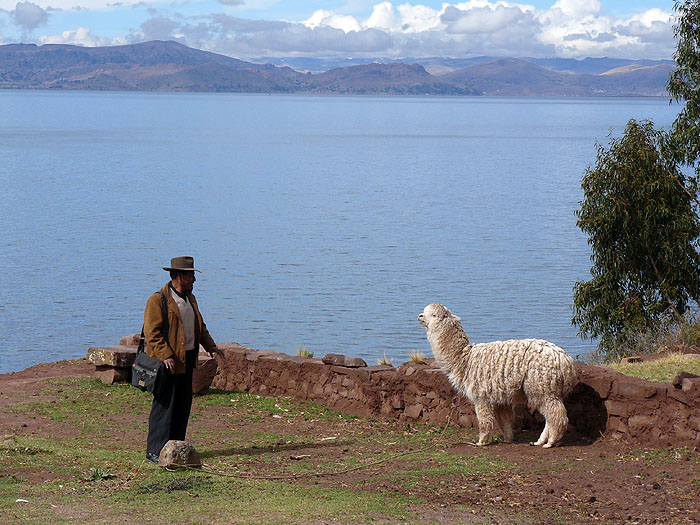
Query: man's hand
217,351
169,364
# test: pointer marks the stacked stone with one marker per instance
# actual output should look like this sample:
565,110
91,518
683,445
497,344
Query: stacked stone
603,403
660,414
113,364
411,392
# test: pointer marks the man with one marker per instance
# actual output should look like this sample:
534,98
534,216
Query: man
178,349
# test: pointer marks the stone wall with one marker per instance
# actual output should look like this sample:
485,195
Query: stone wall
604,403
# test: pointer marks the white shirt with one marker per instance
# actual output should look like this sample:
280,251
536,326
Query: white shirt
187,316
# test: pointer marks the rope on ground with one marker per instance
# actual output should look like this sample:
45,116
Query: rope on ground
393,457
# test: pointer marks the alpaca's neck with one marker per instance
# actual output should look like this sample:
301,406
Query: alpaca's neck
452,346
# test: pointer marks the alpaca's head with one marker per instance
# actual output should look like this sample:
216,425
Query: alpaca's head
435,316
445,332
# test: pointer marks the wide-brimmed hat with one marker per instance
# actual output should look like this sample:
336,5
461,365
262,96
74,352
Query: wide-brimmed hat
182,264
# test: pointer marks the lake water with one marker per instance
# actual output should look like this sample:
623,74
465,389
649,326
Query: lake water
318,221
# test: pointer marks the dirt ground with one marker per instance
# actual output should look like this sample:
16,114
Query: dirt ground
584,481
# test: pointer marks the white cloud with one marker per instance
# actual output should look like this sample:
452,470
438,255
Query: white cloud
578,8
487,19
323,18
384,17
417,19
652,16
81,36
29,16
569,28
158,27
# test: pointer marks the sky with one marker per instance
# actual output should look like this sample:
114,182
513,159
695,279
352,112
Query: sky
631,29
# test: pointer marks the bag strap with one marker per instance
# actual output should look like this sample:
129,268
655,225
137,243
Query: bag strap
165,327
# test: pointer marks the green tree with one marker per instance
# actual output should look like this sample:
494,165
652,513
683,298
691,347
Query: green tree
684,82
640,214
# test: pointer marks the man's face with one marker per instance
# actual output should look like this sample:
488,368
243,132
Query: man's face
186,281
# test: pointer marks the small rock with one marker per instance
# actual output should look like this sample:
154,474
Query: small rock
414,411
656,486
130,340
111,374
633,359
341,360
179,454
680,376
690,384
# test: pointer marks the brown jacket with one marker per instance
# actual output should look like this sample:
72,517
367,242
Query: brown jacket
152,325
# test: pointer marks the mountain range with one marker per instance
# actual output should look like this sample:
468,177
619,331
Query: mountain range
170,66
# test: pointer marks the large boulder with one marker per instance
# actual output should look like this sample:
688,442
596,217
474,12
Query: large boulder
203,375
179,454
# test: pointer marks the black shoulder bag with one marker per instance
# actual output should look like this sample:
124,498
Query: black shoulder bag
147,373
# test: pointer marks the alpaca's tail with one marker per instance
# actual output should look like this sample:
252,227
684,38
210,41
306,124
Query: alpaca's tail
568,372
551,374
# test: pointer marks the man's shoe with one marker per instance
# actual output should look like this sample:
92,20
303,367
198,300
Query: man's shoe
150,456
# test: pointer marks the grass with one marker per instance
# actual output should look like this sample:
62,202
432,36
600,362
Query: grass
662,370
99,474
85,463
417,356
386,361
156,495
669,455
93,472
303,352
439,464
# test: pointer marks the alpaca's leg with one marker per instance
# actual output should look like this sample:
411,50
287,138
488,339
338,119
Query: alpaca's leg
544,436
505,417
486,417
556,420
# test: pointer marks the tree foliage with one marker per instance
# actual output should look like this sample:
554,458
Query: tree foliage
641,217
684,83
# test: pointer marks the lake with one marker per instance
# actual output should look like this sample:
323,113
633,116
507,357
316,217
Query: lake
323,222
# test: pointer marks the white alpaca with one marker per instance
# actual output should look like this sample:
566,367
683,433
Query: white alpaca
496,376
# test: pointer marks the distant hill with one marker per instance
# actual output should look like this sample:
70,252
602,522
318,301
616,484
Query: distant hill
150,66
518,77
443,65
511,76
594,66
389,79
170,66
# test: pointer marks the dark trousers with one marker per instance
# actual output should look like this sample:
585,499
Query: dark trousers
170,410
